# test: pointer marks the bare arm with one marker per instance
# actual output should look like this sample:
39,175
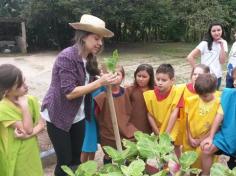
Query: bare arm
204,136
37,129
191,58
172,120
188,129
27,123
79,91
206,144
153,124
216,124
223,54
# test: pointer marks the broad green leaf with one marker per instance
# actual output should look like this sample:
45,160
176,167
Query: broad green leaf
88,168
111,62
112,174
125,170
194,171
136,168
115,54
146,145
218,169
161,173
164,138
114,154
128,144
109,168
131,149
187,159
171,156
140,136
165,146
147,148
67,170
234,171
129,153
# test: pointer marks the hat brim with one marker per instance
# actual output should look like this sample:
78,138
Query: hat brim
104,32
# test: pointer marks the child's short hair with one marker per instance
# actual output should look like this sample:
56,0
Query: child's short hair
149,69
205,83
204,67
166,69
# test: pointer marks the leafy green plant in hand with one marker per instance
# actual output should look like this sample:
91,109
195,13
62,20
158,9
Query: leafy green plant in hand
112,61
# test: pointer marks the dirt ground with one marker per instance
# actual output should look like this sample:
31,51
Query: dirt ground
37,70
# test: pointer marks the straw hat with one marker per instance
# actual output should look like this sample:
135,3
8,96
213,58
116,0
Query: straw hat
92,24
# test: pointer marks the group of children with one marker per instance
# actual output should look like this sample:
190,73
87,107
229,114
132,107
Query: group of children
185,111
153,103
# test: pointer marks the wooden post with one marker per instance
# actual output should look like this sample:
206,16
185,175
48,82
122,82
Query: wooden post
114,118
23,43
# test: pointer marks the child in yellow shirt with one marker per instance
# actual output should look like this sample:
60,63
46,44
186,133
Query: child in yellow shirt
188,92
201,110
163,102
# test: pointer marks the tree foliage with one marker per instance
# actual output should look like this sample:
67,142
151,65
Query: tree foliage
130,20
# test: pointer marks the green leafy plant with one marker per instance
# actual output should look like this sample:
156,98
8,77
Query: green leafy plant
132,161
160,149
110,170
135,168
220,169
182,165
161,173
112,61
129,153
86,169
154,147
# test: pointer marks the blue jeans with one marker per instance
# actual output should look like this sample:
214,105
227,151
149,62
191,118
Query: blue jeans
218,83
229,81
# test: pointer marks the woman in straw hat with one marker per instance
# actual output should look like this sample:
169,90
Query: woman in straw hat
68,99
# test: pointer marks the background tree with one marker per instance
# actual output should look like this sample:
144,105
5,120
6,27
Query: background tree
131,20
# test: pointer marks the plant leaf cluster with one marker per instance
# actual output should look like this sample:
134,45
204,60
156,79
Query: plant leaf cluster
132,161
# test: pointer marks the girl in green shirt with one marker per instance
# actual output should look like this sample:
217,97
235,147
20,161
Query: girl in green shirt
19,123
